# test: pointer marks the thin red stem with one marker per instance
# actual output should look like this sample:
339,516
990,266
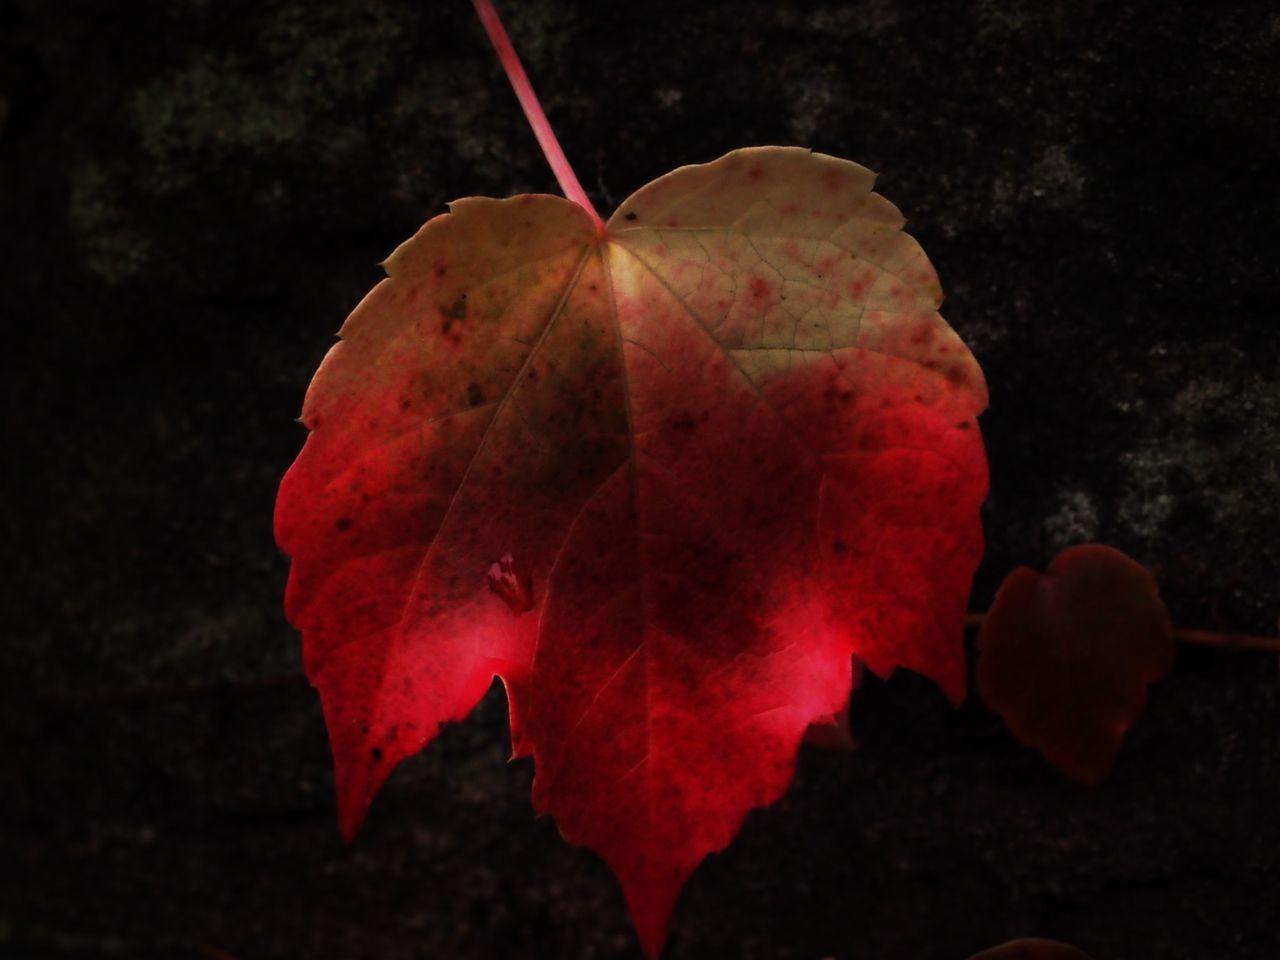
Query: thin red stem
533,110
1204,638
1231,641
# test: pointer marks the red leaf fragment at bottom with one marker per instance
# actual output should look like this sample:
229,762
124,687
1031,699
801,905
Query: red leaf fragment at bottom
1031,949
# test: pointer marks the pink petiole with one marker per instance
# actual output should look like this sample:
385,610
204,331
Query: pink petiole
533,110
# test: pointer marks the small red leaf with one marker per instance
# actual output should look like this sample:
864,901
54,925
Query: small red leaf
1031,949
1066,657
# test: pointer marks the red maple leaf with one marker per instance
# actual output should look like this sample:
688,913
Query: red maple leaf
664,480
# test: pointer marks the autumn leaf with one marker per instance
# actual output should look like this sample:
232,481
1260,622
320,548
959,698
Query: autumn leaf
1065,657
664,479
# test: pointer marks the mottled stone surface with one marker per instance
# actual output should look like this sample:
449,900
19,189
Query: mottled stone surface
194,193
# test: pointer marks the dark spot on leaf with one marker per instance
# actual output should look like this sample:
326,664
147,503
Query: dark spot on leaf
684,422
840,547
457,310
631,216
343,524
475,396
533,375
376,753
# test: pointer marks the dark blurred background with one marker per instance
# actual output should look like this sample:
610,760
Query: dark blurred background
193,194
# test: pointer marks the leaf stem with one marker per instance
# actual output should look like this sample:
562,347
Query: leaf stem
1231,641
533,110
1203,638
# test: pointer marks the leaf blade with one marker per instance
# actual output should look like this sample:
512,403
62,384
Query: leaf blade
398,498
703,466
737,479
1065,657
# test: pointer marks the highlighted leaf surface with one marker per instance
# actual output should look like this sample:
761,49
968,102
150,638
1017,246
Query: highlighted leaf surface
665,483
1066,656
